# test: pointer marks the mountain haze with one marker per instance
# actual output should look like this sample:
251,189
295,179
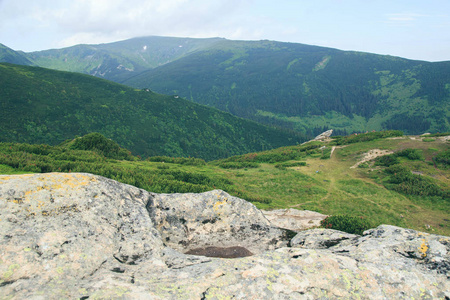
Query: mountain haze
46,106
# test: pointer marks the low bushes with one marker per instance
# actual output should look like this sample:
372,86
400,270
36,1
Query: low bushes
442,159
365,137
178,160
238,164
43,159
285,165
402,180
102,145
346,223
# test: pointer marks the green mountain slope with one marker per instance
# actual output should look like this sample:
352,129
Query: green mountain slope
302,87
296,86
45,106
8,55
120,60
354,176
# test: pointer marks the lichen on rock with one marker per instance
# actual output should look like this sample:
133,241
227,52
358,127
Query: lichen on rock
84,236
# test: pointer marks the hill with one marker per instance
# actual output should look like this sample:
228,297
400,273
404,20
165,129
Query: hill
303,87
381,177
8,55
46,106
120,60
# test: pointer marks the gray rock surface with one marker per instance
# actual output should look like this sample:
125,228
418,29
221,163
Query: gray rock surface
324,135
213,219
75,236
294,219
321,238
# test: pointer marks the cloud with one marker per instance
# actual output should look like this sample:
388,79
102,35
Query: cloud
71,22
103,20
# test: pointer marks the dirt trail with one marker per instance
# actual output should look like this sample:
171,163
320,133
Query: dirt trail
374,153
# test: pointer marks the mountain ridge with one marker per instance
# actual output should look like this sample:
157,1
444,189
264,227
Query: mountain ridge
301,87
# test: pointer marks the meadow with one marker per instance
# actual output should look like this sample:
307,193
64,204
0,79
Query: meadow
408,188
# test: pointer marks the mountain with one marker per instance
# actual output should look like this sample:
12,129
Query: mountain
45,106
8,55
302,87
120,60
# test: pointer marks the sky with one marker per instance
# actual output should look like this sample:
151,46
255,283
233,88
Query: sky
414,29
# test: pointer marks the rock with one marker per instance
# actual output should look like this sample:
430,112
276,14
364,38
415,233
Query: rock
81,236
67,227
428,250
324,135
294,219
320,238
213,219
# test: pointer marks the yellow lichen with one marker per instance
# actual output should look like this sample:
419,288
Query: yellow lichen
423,248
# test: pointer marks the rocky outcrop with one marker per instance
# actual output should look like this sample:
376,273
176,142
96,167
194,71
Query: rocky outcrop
324,135
81,236
294,219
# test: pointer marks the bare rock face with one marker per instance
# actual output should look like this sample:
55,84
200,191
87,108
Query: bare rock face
320,238
66,227
80,236
213,219
324,135
294,219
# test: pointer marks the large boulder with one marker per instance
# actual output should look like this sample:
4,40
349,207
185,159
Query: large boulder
81,236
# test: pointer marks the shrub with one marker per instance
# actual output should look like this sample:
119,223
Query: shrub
346,223
238,165
365,137
100,144
178,160
443,159
402,180
411,154
285,165
438,134
386,160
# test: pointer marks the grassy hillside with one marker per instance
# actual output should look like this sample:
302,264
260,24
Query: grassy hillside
340,176
120,60
45,106
8,55
304,87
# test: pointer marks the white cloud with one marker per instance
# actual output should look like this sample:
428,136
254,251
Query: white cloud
108,20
